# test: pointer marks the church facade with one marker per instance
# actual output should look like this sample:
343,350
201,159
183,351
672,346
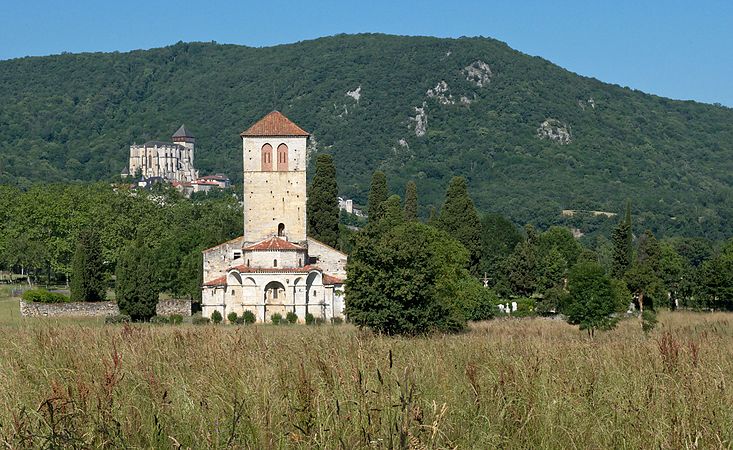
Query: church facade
274,267
172,161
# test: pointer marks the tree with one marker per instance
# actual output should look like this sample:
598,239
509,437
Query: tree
322,204
87,269
408,281
643,276
136,288
499,237
411,201
623,250
591,298
716,279
378,193
459,219
672,268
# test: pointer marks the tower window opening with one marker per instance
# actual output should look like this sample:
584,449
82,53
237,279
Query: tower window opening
274,263
280,229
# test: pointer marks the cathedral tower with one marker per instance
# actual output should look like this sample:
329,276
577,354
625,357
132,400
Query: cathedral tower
274,154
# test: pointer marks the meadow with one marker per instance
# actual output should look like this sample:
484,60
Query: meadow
530,383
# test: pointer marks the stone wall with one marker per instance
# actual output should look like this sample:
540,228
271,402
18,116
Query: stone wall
96,309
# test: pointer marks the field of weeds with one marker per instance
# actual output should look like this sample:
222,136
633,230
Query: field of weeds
533,383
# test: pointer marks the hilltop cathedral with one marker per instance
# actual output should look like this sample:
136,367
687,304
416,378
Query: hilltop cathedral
274,267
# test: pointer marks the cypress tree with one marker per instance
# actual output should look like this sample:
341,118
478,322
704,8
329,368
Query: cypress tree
87,275
411,201
623,251
459,218
136,288
322,203
378,193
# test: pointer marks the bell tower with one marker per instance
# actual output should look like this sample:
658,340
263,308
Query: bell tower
274,155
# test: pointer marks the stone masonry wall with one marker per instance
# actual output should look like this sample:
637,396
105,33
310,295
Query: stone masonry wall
97,309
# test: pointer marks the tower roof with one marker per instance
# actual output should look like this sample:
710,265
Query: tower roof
182,132
275,124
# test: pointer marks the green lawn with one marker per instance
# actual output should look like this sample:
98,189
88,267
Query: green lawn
9,309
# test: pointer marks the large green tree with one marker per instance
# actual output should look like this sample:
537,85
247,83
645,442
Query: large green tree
458,217
87,269
623,250
499,237
378,193
716,279
411,280
643,277
592,298
322,205
136,288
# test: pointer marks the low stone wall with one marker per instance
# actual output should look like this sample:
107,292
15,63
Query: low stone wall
97,309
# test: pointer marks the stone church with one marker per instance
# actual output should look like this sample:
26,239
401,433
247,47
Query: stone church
172,161
274,267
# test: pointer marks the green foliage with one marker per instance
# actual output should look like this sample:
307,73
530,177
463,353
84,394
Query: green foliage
648,320
117,319
378,193
643,277
403,281
592,299
337,321
622,246
552,302
276,318
175,319
159,320
232,317
499,237
411,206
87,269
72,116
197,319
291,317
459,219
309,319
249,317
43,296
322,203
216,317
716,279
136,287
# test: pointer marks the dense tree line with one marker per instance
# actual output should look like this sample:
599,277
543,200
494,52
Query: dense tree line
49,229
408,277
72,117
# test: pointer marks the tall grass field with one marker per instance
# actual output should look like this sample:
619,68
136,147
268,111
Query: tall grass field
530,384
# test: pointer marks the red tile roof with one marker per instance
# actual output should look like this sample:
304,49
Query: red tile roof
275,124
274,243
330,279
245,269
221,281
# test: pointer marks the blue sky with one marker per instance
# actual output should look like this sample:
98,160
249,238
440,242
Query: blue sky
678,49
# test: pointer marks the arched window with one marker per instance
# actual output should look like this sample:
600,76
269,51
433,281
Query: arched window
282,157
266,158
274,263
280,229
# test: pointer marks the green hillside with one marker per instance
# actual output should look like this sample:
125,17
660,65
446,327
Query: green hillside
73,116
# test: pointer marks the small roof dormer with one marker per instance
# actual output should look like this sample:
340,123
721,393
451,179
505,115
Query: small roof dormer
183,135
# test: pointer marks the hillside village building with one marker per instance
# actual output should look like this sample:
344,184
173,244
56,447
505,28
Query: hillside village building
171,161
274,267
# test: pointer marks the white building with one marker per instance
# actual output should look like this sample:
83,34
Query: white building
172,161
274,267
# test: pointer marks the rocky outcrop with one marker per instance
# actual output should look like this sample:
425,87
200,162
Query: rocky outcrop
555,131
479,73
441,92
355,94
420,121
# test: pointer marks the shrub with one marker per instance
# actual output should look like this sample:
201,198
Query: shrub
159,320
291,317
337,320
276,318
216,317
320,320
43,296
648,320
197,319
232,317
309,319
248,317
117,318
175,319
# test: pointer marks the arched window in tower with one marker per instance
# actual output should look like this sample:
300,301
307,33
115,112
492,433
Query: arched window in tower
266,158
282,157
281,229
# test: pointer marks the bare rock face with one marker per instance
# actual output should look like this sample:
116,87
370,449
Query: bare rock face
311,148
478,73
355,94
403,143
555,131
420,120
441,93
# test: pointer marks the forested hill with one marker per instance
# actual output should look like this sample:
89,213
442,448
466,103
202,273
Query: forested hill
531,138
